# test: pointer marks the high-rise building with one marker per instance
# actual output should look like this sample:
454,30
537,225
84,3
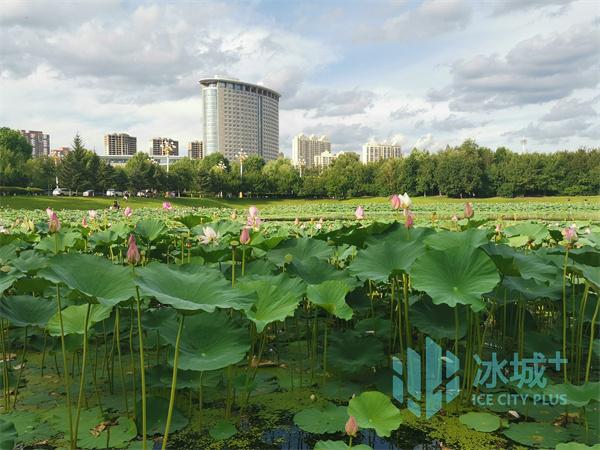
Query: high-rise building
323,160
39,142
159,145
377,151
305,148
240,116
195,150
120,144
60,152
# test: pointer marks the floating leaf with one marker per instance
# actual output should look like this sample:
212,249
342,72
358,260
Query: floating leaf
375,410
329,419
542,435
339,445
480,421
222,430
8,435
156,419
577,395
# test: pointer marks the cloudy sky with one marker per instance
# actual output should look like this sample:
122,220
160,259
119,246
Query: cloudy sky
424,73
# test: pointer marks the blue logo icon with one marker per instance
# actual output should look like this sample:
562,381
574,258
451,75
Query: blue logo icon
433,370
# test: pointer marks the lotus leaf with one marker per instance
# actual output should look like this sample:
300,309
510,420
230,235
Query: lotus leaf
73,318
375,410
25,310
437,321
577,395
8,435
156,418
150,229
480,421
301,248
339,445
377,262
331,296
222,430
445,240
541,435
349,353
329,419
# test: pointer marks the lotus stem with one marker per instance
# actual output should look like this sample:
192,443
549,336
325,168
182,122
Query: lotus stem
21,366
66,367
173,383
243,260
82,372
6,388
591,347
118,336
134,409
406,321
580,328
142,367
564,312
233,266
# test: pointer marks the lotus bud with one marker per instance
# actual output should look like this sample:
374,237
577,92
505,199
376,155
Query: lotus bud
84,223
128,212
410,220
468,210
359,213
405,201
49,211
253,211
245,236
133,254
570,234
53,223
167,206
395,201
313,397
351,427
454,218
296,221
498,228
92,214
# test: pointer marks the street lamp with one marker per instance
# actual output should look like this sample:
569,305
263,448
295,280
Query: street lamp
301,162
241,155
221,167
166,149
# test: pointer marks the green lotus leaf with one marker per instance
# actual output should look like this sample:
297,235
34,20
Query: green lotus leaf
111,235
8,435
456,276
25,310
59,242
339,445
377,262
191,220
208,341
94,277
480,421
445,240
576,446
375,410
531,266
329,419
349,353
276,298
515,287
302,248
376,326
592,274
156,419
189,287
150,229
73,318
437,321
8,252
222,430
331,296
315,271
7,280
524,233
540,435
30,261
577,395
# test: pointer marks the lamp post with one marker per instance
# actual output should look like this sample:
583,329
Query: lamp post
301,162
221,167
241,155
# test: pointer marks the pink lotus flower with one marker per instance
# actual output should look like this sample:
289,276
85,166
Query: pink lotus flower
167,206
498,228
570,234
351,427
395,201
359,213
209,236
245,236
133,254
127,212
53,223
253,211
454,218
468,211
410,220
92,214
84,223
405,201
49,211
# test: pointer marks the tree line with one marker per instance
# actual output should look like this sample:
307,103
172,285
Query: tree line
468,170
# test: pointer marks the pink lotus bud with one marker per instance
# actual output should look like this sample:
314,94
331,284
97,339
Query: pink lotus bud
395,201
84,223
468,210
167,206
92,214
570,234
296,221
359,213
498,228
49,212
133,254
53,223
245,236
351,427
253,211
410,220
128,212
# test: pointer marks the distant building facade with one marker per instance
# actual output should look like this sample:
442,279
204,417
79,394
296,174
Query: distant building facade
60,152
120,144
159,145
323,160
240,116
377,151
195,150
39,142
305,148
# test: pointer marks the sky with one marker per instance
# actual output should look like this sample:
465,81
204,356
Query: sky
420,73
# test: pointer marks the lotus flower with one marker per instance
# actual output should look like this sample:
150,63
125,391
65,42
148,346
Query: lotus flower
92,214
49,211
454,218
410,220
468,210
395,201
359,213
498,228
253,211
296,221
245,236
351,427
167,206
53,223
405,201
133,254
209,236
84,223
128,212
570,234
233,215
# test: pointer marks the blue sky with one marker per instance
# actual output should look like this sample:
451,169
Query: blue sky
422,73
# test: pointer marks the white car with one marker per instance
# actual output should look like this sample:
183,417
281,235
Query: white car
89,193
57,192
110,193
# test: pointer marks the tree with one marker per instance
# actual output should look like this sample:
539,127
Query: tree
281,176
41,172
144,173
76,170
15,151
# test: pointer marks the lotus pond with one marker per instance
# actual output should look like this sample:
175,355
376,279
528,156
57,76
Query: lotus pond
202,329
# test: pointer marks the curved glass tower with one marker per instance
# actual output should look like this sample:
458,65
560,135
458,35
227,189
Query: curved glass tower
240,116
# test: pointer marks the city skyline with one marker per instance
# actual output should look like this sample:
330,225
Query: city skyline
420,73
